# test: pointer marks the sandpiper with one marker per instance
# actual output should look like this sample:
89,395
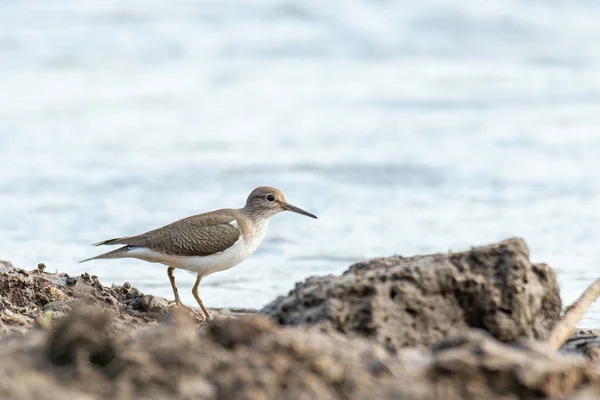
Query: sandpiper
206,243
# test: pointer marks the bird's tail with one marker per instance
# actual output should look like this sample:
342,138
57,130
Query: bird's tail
122,240
118,253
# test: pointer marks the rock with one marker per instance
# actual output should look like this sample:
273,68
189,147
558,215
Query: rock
83,337
253,358
27,296
473,365
416,301
445,326
243,358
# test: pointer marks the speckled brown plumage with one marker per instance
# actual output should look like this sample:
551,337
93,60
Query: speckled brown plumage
198,235
206,243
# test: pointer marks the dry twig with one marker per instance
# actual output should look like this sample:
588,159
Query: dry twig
565,328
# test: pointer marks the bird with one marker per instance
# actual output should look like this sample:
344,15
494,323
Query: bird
205,243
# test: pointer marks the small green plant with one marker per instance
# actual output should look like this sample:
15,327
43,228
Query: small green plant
46,320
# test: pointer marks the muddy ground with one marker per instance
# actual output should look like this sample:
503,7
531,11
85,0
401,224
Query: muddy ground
455,326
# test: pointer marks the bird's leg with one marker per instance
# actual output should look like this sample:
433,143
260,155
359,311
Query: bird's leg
177,300
175,291
199,300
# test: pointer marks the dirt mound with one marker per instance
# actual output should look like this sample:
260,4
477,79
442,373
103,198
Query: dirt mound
30,296
253,358
35,297
232,359
473,365
417,301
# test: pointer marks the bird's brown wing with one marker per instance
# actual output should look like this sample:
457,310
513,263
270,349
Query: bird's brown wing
199,235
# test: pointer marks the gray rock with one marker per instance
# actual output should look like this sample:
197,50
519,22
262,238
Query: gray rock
416,301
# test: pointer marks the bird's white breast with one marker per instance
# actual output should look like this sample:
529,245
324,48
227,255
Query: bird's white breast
206,265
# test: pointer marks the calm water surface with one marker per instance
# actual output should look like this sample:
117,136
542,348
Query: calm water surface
407,127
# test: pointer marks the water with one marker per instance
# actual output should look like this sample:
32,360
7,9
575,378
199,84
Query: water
406,127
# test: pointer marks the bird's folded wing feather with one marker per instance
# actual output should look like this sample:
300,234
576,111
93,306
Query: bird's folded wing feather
200,235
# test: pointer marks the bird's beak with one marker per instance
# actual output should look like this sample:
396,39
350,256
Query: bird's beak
289,207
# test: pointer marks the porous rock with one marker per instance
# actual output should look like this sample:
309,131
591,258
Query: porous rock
245,358
474,365
416,301
254,358
28,296
32,297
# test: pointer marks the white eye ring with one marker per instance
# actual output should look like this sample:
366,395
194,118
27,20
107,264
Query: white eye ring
270,197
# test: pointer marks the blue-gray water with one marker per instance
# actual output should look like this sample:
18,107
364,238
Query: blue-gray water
407,127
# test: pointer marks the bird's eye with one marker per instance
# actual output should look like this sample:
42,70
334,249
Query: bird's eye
270,197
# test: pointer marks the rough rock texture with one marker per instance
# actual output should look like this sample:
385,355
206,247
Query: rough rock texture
417,301
72,337
471,365
253,358
26,297
249,358
33,297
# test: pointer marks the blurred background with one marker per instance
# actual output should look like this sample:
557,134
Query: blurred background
407,127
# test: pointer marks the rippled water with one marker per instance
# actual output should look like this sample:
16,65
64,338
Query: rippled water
406,127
